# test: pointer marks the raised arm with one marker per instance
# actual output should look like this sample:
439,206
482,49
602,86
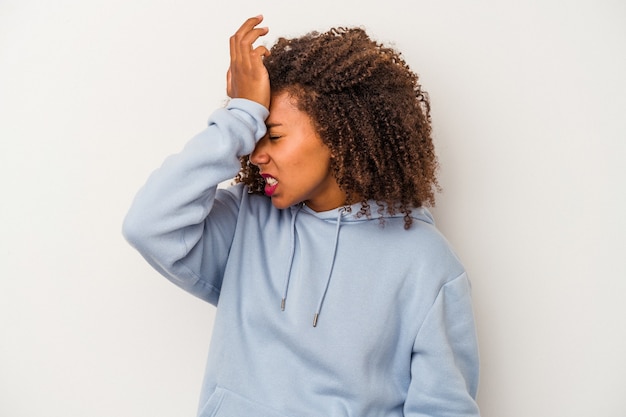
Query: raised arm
180,223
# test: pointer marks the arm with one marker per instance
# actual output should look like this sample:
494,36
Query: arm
176,222
444,363
179,221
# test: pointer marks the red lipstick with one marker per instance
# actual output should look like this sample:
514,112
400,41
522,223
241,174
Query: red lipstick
270,184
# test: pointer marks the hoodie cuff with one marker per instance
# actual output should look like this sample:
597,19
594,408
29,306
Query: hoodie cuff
251,112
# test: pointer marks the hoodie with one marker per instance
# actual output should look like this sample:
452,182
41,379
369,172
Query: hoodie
318,313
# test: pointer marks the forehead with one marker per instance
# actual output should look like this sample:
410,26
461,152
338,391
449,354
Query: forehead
284,111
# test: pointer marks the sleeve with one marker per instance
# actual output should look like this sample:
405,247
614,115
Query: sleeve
179,221
444,362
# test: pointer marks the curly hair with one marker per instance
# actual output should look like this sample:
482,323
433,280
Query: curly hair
369,108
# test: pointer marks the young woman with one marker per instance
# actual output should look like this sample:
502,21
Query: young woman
335,293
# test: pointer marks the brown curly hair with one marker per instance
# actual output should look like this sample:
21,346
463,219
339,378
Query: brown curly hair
370,110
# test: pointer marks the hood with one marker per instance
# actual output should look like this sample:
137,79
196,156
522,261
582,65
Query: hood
420,213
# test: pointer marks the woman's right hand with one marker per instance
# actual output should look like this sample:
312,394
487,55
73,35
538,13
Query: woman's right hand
247,77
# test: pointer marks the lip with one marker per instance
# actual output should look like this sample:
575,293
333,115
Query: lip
269,189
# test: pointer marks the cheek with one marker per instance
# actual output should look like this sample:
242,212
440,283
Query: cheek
323,159
304,172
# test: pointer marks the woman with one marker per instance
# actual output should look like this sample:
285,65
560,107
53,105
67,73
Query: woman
335,293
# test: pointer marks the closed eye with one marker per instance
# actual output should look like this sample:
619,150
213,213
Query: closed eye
272,136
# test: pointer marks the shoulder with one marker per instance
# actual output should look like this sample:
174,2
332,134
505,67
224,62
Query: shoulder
424,250
436,251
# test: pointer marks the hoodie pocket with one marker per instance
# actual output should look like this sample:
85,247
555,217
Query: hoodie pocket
225,403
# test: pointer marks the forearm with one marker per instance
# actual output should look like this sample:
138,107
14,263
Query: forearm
167,222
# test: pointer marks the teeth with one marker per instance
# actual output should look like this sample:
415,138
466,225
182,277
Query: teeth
271,181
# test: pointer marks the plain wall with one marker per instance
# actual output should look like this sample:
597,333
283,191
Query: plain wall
528,110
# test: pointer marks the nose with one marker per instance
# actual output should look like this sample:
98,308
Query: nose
259,156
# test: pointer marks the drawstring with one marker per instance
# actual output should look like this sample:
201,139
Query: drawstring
292,253
342,211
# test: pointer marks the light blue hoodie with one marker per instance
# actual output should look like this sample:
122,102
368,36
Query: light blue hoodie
318,314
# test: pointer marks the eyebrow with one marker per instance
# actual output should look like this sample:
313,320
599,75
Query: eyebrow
270,125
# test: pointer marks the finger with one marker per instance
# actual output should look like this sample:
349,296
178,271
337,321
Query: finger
246,27
250,23
245,48
261,51
252,36
241,42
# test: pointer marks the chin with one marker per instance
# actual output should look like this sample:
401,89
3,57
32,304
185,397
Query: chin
281,204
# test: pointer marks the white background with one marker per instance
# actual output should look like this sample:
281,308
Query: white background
528,106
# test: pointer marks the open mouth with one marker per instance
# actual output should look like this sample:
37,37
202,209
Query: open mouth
270,185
